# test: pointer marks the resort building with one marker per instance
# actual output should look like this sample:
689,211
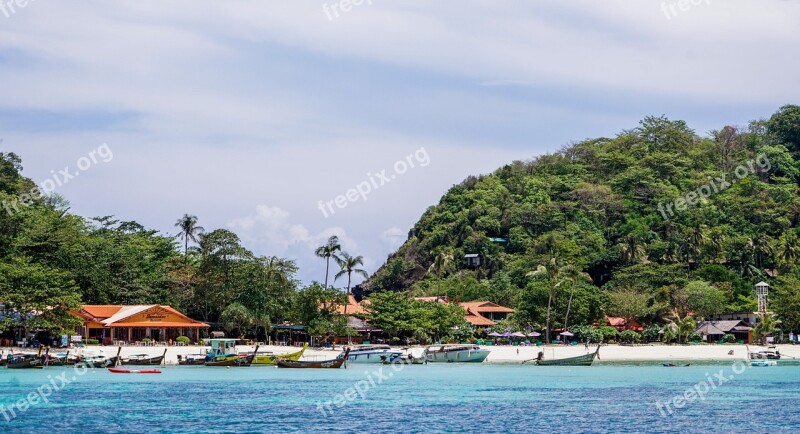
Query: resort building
117,324
485,313
713,331
751,318
621,324
353,307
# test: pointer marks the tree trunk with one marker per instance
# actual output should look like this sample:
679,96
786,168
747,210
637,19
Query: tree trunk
547,326
569,305
327,267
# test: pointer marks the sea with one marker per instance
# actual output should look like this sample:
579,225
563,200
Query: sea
453,398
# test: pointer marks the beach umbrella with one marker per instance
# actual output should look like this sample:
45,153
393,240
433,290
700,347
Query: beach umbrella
518,335
534,335
566,334
506,335
495,334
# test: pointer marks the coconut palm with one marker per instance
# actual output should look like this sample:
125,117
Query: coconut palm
349,265
761,249
632,248
767,324
550,273
327,252
788,250
441,264
190,231
571,275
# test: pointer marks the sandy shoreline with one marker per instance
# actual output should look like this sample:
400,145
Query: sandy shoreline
499,354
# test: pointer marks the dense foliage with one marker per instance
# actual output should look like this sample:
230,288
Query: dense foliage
648,215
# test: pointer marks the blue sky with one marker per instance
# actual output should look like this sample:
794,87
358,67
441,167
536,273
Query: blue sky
247,114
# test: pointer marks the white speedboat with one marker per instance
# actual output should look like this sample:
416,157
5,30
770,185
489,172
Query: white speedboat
372,354
456,354
763,363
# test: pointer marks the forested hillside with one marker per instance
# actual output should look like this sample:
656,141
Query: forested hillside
655,221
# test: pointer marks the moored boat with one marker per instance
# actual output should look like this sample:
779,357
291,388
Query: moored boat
456,354
769,354
223,353
144,359
24,361
133,371
271,359
330,364
192,360
100,360
763,363
371,354
584,360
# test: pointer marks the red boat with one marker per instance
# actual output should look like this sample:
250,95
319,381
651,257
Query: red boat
133,371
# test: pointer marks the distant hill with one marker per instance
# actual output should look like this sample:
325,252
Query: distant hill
650,210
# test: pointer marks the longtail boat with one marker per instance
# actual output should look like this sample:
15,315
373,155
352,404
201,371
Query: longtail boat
271,359
192,360
332,364
144,359
62,359
584,360
25,361
223,354
133,371
100,361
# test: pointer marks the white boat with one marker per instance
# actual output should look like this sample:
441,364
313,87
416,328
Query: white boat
763,363
371,354
456,354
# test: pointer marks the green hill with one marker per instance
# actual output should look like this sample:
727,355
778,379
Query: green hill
661,219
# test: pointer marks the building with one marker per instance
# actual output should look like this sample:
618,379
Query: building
353,307
113,324
750,318
485,313
621,324
713,331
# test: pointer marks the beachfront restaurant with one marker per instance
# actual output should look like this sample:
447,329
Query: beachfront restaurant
136,325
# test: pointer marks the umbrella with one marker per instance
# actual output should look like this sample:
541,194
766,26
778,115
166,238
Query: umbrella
566,334
495,334
506,335
534,335
518,335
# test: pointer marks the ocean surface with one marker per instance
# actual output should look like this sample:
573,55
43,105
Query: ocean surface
719,398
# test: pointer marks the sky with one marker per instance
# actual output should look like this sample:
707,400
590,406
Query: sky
287,122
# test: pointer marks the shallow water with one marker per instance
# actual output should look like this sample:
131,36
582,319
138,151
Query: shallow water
407,399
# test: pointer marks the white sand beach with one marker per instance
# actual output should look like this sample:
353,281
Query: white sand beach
499,354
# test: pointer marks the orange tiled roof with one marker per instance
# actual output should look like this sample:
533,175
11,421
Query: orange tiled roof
353,307
102,311
486,306
477,319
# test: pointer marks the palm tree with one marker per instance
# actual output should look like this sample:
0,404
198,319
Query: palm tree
441,263
767,324
761,249
327,252
189,231
571,274
693,243
788,250
348,265
632,248
551,273
686,326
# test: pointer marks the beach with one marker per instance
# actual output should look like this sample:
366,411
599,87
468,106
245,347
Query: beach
499,354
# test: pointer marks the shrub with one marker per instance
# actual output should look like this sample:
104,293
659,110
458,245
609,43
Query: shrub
609,333
147,340
587,333
630,337
651,333
183,339
728,338
91,342
694,337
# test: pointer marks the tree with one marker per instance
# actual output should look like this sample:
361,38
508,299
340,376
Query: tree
41,297
190,231
784,125
629,304
767,325
441,264
704,299
571,275
349,265
329,251
551,273
236,317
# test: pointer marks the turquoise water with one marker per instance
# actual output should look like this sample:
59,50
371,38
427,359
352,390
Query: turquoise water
432,398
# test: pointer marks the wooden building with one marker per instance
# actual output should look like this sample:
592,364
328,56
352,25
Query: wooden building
112,324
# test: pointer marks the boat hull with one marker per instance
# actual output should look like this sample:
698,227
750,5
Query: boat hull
36,363
272,359
585,360
144,362
230,361
373,357
464,356
325,364
133,371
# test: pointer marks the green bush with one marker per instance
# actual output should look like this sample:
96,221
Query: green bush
91,342
587,333
183,339
728,338
651,333
609,333
630,337
147,340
